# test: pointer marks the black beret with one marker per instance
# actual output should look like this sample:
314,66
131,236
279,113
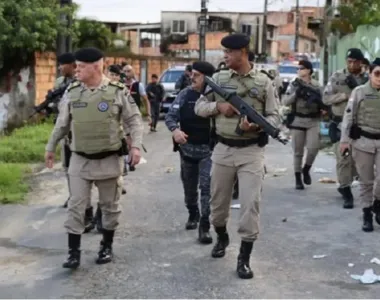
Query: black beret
251,56
235,41
366,62
189,68
88,55
66,58
204,67
376,62
306,64
114,69
355,53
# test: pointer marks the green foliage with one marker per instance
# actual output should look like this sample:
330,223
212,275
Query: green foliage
27,26
92,33
355,14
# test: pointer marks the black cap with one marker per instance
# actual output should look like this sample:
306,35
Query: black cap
235,41
251,56
355,53
204,67
66,58
376,62
366,62
114,69
306,64
88,55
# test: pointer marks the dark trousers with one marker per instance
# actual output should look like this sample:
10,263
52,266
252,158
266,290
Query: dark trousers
194,174
155,111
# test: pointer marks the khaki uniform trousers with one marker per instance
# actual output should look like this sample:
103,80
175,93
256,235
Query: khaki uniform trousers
63,160
248,164
308,138
366,154
105,174
345,167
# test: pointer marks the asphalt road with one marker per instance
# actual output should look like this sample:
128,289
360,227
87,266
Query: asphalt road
155,257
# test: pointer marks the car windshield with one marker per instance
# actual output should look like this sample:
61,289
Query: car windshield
171,76
288,69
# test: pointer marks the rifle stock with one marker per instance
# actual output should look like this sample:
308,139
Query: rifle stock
246,110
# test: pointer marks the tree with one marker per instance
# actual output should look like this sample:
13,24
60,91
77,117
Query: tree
356,13
27,26
92,33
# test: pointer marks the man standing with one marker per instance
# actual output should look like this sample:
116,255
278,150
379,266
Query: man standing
184,80
193,138
238,155
92,109
336,94
361,128
156,93
303,121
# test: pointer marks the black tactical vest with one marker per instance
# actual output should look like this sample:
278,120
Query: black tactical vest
135,92
197,128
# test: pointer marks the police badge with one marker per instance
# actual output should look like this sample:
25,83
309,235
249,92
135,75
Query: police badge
253,93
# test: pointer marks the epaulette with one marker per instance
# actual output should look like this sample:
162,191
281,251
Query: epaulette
73,85
118,84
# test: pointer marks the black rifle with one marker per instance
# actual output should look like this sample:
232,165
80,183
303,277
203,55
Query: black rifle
245,110
309,93
351,81
268,74
50,104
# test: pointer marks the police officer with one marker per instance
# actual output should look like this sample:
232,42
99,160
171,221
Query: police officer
93,108
193,136
361,129
114,72
234,154
185,79
336,94
305,124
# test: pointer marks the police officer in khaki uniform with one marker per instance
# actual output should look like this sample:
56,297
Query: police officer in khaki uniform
303,121
361,129
238,155
93,108
336,94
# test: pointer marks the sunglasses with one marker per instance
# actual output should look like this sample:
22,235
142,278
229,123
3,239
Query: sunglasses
301,68
376,73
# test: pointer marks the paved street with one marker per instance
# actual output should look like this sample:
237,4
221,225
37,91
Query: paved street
157,258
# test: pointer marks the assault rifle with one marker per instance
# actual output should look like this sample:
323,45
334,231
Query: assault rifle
246,110
310,93
352,82
50,104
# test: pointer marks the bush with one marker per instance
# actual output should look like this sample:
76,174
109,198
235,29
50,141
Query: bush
13,187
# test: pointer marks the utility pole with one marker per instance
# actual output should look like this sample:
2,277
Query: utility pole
64,43
297,29
202,30
326,26
265,30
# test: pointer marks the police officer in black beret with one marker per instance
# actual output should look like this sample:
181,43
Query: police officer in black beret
238,155
191,136
336,94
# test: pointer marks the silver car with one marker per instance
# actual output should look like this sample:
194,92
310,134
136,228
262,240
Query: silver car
168,79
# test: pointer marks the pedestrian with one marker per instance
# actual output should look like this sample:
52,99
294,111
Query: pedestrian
92,109
156,94
336,95
184,80
192,134
238,155
361,130
303,121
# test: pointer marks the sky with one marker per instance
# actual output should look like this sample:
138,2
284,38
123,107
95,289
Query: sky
148,11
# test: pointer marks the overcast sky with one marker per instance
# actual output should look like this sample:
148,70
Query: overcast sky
144,11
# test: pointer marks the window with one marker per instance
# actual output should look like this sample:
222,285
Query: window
178,26
246,29
216,26
171,76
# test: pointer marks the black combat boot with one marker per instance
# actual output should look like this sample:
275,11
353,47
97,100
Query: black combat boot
222,242
132,168
73,261
192,222
89,220
243,269
66,203
98,220
204,235
376,210
306,174
299,183
123,191
347,196
105,254
367,219
235,194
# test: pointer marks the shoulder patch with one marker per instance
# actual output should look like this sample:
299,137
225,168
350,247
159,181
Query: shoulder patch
73,85
117,84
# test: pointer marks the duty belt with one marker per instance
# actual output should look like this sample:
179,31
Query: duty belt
310,115
337,119
237,143
100,155
368,135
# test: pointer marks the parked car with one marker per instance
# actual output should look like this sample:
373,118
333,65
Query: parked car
168,79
